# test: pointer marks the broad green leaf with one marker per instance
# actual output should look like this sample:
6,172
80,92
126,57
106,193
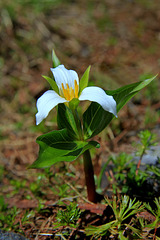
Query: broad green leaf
55,59
95,118
65,119
52,83
84,80
58,146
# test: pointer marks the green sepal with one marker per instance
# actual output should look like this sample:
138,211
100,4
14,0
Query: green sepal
95,118
52,83
65,119
84,80
58,146
73,104
55,60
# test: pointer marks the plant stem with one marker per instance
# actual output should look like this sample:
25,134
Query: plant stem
139,162
89,176
78,123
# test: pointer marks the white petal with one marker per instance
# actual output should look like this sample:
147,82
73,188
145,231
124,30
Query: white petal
45,103
98,95
63,75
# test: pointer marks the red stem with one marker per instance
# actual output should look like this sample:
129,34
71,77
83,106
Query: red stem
89,177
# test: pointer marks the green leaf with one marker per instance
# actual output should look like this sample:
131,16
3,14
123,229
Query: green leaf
52,83
55,59
84,80
57,146
65,119
95,118
73,104
121,237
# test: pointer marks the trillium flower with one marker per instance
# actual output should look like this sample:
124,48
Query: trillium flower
68,86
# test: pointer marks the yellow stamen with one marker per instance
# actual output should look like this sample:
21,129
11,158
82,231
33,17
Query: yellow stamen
66,93
75,89
69,93
67,86
72,93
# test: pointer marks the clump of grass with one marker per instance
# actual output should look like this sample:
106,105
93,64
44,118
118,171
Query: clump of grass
69,216
121,222
126,220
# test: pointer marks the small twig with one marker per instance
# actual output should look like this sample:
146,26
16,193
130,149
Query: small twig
71,186
138,165
80,195
45,234
42,227
119,137
60,235
154,236
139,162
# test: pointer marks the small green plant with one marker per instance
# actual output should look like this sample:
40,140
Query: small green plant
3,205
121,164
154,169
36,186
155,212
61,191
27,216
17,185
147,139
67,219
7,216
150,225
69,216
61,188
138,185
121,222
1,172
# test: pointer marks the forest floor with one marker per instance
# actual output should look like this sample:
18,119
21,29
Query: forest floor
121,42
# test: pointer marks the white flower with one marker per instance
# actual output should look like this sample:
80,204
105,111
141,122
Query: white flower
68,85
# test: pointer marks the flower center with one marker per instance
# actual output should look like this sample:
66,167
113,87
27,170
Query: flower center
69,93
